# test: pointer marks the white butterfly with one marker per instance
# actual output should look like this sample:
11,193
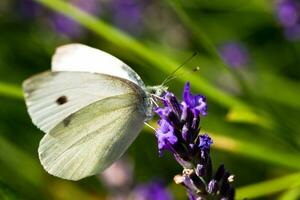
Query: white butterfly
91,106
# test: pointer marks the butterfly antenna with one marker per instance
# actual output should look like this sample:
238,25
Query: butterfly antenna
149,126
174,77
171,76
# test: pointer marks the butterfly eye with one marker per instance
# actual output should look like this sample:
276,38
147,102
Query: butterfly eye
61,100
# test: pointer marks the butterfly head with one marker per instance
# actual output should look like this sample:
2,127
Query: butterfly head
157,90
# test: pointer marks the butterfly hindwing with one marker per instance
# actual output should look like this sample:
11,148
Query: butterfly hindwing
93,138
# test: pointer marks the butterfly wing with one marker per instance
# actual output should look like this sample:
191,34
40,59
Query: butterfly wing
53,96
92,138
79,57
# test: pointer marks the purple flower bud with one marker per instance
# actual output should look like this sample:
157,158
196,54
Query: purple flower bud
150,191
163,112
234,54
165,135
128,15
187,181
184,163
186,133
30,9
119,175
288,13
196,103
172,102
168,114
292,33
212,186
225,185
200,170
205,142
220,173
192,196
90,6
68,26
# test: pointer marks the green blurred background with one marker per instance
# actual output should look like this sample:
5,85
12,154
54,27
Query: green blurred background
249,72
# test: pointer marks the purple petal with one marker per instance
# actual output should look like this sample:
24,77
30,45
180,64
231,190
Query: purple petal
196,103
186,93
165,135
163,112
205,142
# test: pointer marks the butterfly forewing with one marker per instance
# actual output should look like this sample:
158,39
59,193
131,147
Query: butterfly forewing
79,57
53,96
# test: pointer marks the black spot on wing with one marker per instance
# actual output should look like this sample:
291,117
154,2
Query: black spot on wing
62,100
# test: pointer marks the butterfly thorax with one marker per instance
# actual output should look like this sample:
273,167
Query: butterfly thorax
154,93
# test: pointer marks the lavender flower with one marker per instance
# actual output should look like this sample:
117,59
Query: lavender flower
66,26
178,133
128,15
234,54
119,176
69,27
288,15
29,8
151,191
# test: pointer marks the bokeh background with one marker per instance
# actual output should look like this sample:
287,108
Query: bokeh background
248,56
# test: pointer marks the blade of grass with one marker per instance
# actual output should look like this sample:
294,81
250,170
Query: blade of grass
25,167
269,84
256,150
290,194
203,40
278,89
10,90
157,60
269,187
